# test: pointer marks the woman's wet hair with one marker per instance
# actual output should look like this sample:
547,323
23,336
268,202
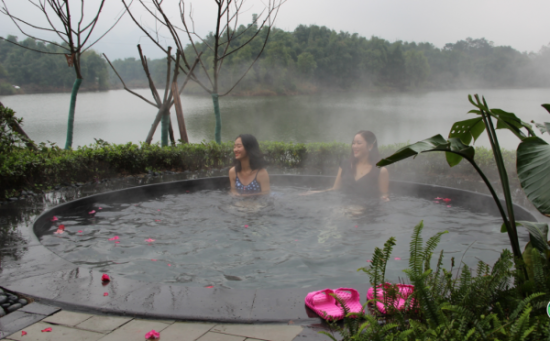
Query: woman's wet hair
374,154
253,151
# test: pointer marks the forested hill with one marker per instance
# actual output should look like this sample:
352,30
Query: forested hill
308,59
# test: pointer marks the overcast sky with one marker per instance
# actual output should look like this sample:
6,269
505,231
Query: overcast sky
524,25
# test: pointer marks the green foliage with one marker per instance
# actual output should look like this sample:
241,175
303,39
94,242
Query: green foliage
45,72
9,139
468,307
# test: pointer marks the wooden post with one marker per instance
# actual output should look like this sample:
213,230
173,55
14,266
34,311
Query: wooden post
179,113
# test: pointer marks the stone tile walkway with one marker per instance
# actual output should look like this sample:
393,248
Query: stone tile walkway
67,325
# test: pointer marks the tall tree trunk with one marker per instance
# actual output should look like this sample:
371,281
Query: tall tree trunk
171,131
155,125
70,123
218,131
165,124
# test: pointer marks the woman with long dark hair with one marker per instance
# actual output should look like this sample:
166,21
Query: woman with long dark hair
248,177
359,174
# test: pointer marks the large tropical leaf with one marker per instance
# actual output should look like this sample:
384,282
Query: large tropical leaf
533,168
538,234
434,143
465,131
505,120
544,128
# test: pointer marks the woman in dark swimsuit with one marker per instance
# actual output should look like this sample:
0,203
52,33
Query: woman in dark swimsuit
248,177
359,174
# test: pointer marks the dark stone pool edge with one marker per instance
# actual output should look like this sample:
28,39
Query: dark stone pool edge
50,279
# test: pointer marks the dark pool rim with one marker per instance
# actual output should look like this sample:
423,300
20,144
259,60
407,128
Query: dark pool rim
51,279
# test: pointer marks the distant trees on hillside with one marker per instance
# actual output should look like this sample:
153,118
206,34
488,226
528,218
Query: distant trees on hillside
309,58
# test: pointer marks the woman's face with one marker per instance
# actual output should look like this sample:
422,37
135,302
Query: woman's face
238,149
360,147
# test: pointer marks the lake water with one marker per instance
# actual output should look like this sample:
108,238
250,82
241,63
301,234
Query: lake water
119,117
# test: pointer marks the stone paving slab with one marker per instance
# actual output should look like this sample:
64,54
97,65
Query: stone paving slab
39,308
186,331
220,337
103,324
58,333
135,330
67,318
263,332
18,320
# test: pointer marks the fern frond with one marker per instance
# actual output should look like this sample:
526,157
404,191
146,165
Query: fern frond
416,250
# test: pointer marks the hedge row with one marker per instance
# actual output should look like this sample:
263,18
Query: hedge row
24,169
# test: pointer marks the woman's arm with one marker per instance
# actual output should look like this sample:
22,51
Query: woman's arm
384,183
337,184
232,179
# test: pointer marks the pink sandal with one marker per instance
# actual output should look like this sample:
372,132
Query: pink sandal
405,290
324,305
351,299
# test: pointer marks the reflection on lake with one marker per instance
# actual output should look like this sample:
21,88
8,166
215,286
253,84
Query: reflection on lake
119,117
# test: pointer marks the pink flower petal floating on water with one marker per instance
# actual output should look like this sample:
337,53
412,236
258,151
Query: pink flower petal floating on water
448,205
152,335
91,212
446,199
356,226
158,210
209,287
169,264
154,260
117,242
54,218
79,231
438,198
105,278
157,219
397,258
149,240
58,231
369,261
47,330
99,208
105,294
245,226
115,238
437,202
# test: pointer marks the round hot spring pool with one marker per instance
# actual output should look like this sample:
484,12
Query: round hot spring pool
194,233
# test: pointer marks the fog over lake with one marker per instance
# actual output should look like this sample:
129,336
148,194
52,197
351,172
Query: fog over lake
119,117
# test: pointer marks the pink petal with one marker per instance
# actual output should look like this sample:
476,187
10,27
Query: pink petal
448,205
245,226
114,238
117,242
58,231
149,240
158,210
47,330
79,231
54,218
369,261
154,260
169,264
152,335
446,199
437,202
209,287
23,333
295,240
105,294
438,198
105,278
61,227
99,208
91,212
356,226
157,219
397,258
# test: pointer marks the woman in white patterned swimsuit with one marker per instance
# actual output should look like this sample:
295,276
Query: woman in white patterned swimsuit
248,177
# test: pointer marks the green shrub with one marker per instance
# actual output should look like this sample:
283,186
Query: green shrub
480,306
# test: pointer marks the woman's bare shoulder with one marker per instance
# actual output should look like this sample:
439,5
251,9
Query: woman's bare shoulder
232,171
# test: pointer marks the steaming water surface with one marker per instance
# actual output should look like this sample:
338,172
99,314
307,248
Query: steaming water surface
286,240
119,117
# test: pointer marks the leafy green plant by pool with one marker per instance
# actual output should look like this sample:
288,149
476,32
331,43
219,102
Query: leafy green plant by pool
472,306
533,165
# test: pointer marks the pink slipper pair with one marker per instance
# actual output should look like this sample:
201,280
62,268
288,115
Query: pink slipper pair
328,307
404,291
